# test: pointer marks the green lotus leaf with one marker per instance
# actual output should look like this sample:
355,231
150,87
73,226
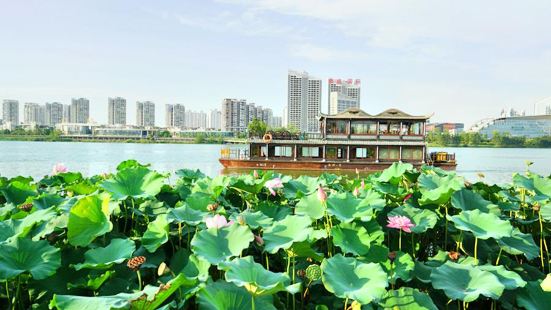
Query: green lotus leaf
196,268
407,298
244,272
190,175
519,243
11,228
38,258
532,297
373,200
351,238
253,219
348,278
422,218
135,182
402,268
156,233
17,191
347,208
482,225
102,258
47,200
199,201
154,296
282,234
304,249
218,245
88,219
221,295
91,281
542,185
545,212
186,214
394,173
310,206
437,189
510,279
301,186
70,302
466,200
465,282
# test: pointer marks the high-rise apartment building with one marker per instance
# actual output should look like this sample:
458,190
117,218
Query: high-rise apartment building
175,115
66,113
343,94
79,111
276,122
196,120
34,113
237,114
10,112
145,114
116,110
54,114
214,120
303,101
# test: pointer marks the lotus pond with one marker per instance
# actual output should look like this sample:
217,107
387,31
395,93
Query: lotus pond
400,239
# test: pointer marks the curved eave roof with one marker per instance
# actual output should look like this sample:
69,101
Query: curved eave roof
356,113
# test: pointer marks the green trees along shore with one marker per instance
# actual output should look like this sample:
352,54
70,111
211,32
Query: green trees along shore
475,139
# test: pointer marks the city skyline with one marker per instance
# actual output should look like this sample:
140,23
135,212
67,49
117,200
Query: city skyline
427,56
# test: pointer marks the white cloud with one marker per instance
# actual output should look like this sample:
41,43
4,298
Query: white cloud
313,52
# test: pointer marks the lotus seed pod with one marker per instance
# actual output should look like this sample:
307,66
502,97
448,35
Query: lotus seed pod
135,262
26,207
313,272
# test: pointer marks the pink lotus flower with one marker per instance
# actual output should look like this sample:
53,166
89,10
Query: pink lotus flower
322,196
408,196
255,174
362,184
356,192
59,168
400,222
273,183
217,221
258,240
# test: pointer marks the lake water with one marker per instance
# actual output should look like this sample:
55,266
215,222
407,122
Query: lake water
37,158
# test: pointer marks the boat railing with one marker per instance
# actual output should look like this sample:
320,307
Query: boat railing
229,153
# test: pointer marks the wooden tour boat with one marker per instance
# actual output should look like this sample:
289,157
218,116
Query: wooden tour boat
349,140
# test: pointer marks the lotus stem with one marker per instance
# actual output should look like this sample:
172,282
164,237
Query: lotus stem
547,254
267,262
17,291
293,279
252,302
400,240
346,303
139,279
8,291
412,245
541,242
180,234
498,256
475,248
446,228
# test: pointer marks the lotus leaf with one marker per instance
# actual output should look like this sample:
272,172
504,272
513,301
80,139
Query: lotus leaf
407,298
221,295
17,191
244,272
437,189
21,255
218,245
70,302
466,282
423,219
351,238
482,225
186,214
519,243
102,258
310,206
154,296
401,268
254,220
394,173
346,208
346,277
282,234
88,219
532,297
465,200
511,280
156,233
135,182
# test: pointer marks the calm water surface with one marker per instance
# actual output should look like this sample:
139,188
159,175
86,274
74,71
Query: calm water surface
37,158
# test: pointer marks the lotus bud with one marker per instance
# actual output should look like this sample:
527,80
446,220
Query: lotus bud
241,220
26,207
356,192
258,240
453,255
322,196
362,184
357,171
392,256
163,269
59,168
135,262
255,174
408,196
536,207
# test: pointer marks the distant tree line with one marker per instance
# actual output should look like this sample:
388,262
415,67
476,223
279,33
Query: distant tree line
438,138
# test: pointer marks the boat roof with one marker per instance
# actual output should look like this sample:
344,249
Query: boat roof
357,113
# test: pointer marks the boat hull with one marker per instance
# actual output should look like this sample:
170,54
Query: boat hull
316,165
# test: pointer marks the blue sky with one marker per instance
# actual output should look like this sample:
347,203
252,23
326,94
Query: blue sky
462,60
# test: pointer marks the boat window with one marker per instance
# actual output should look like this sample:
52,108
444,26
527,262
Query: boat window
283,151
336,127
389,153
364,128
415,129
310,151
412,153
361,152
